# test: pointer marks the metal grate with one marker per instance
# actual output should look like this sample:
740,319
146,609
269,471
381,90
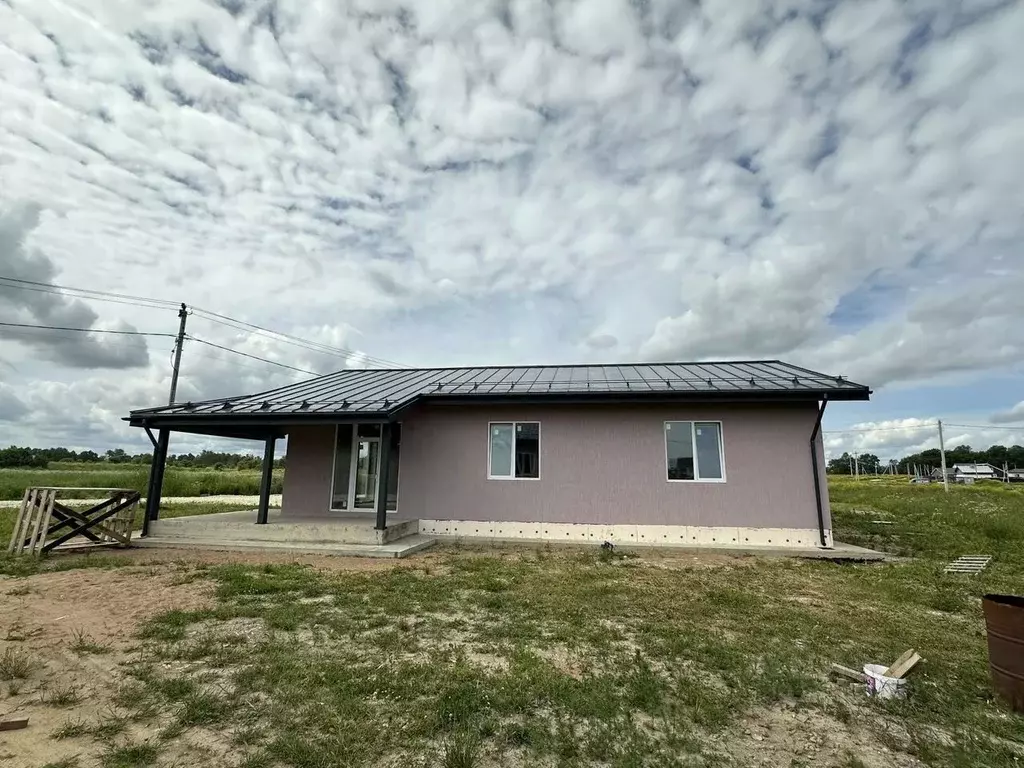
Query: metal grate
971,564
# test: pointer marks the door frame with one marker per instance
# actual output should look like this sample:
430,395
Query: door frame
353,463
353,470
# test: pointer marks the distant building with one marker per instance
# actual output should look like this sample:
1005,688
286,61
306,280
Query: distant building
1015,475
968,473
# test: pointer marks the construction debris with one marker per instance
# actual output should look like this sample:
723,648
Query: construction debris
853,674
903,664
883,682
972,564
14,724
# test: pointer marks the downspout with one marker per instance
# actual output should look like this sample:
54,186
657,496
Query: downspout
814,469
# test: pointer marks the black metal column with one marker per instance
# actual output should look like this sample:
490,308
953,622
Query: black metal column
383,469
156,480
814,471
268,474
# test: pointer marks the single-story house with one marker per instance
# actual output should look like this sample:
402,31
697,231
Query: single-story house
673,453
968,473
1016,475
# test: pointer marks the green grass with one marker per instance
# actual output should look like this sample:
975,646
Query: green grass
565,658
925,521
177,482
574,658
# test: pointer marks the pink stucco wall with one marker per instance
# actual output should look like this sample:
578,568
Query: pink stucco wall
307,474
599,464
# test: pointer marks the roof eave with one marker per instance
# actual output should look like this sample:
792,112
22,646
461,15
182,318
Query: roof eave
154,417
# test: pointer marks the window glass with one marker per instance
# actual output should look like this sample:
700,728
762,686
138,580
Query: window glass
342,465
709,453
679,450
501,439
528,449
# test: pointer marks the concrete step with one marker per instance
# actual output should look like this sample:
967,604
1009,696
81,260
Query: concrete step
395,549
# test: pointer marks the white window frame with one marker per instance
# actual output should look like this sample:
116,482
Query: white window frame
693,439
512,476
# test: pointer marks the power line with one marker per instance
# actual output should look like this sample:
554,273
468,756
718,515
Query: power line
246,354
930,425
116,298
85,330
231,322
985,426
313,346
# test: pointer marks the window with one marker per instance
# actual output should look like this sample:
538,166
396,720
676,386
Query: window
513,450
693,450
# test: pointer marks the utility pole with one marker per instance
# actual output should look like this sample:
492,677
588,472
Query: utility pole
183,315
942,454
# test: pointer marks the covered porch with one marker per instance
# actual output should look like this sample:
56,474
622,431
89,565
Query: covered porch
353,520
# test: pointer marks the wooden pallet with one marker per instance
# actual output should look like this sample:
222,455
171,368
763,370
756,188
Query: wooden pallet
972,564
44,524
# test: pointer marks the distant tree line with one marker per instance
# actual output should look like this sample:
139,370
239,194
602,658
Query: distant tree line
40,458
997,455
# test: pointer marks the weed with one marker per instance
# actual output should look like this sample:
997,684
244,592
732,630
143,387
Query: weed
199,708
67,762
15,664
131,754
70,729
461,751
110,725
61,696
83,643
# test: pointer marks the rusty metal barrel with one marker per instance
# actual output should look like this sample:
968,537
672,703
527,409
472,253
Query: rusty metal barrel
1004,622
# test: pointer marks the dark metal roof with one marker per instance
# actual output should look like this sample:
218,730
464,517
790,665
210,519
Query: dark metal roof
383,393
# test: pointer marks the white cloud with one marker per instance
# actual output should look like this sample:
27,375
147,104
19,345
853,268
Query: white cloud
835,183
1016,413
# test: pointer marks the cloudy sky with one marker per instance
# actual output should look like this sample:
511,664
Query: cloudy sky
834,183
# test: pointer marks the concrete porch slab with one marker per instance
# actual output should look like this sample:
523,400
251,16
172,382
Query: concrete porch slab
395,549
339,528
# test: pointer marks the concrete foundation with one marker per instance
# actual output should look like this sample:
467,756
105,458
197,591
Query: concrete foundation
341,534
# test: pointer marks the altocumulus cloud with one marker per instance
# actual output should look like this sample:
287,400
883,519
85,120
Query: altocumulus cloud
835,182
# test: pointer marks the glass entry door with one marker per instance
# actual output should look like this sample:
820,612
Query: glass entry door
367,470
356,474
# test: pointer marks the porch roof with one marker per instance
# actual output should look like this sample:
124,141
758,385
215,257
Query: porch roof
382,394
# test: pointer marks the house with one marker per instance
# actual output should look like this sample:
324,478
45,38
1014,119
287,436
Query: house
726,453
1015,475
968,473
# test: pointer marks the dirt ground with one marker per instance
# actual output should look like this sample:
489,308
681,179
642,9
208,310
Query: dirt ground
48,615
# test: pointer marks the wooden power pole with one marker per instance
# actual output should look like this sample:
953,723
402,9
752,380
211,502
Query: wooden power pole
178,342
942,456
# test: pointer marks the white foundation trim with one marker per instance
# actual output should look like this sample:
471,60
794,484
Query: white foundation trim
649,535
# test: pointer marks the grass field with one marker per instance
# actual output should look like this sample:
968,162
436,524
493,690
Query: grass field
551,657
177,482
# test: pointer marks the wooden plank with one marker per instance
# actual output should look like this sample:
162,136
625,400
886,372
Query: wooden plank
43,517
17,522
81,488
900,669
853,674
26,520
14,724
899,662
